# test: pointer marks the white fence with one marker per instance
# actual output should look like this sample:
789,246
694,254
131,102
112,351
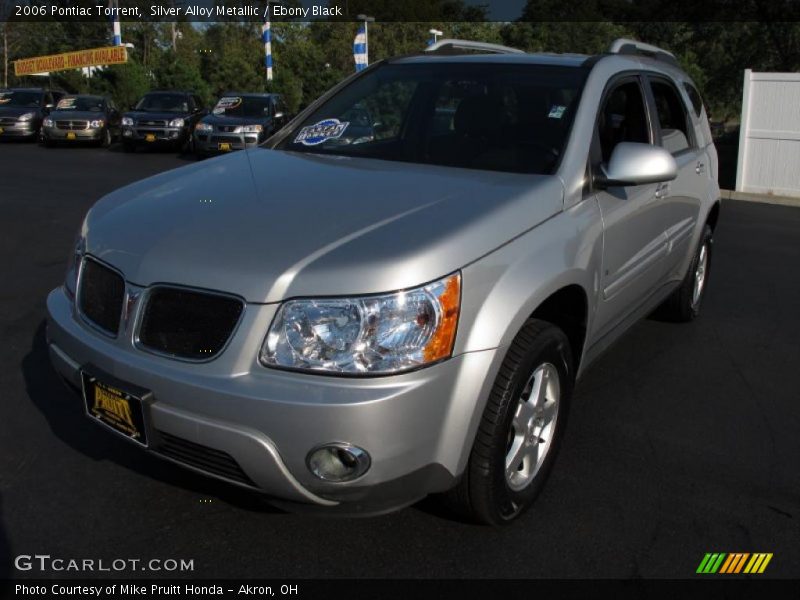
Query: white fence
769,138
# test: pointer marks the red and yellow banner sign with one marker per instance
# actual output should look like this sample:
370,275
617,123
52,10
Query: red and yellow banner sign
112,55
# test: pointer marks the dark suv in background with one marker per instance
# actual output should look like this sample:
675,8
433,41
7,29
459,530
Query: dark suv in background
22,111
239,121
162,118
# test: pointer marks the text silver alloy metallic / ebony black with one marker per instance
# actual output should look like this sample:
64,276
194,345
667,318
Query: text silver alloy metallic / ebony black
395,294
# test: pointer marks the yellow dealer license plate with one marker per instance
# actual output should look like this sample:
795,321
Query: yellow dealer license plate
150,137
70,135
117,405
225,147
1,130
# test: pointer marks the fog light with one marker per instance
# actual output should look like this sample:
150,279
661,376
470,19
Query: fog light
338,462
127,132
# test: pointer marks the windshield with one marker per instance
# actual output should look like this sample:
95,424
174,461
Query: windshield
27,99
243,106
177,103
81,103
501,117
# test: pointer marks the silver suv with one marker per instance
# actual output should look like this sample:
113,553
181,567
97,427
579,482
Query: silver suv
364,312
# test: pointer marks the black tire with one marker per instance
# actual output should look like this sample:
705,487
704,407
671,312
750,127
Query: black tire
484,493
188,146
682,306
128,147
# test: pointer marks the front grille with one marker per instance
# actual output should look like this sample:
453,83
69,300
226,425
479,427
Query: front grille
188,324
8,120
202,457
100,295
226,128
152,123
226,139
72,125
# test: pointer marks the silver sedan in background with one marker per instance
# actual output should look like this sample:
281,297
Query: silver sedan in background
82,118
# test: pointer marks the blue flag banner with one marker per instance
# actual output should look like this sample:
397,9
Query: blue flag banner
266,36
360,48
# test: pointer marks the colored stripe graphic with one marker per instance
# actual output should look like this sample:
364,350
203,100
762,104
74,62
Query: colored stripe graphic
734,563
758,563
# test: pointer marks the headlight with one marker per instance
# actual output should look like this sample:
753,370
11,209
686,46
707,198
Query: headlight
204,127
26,116
176,123
48,123
249,129
97,123
127,122
366,335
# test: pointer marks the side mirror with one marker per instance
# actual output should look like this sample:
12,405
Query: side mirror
636,164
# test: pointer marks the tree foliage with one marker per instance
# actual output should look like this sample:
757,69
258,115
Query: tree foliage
309,58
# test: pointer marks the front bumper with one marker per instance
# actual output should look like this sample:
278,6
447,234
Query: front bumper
154,135
417,427
79,135
218,143
18,129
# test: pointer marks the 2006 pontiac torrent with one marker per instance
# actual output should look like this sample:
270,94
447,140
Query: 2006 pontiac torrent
356,315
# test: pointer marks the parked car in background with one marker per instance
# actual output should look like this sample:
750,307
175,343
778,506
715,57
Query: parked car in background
350,327
22,111
162,119
238,121
82,118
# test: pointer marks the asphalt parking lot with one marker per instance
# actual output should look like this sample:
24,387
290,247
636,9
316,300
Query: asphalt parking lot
683,439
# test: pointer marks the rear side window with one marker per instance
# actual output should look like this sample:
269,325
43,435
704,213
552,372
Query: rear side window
672,117
694,97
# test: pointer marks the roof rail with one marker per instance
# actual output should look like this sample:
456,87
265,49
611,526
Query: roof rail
451,46
632,47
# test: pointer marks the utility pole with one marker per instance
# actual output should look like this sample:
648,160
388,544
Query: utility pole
5,54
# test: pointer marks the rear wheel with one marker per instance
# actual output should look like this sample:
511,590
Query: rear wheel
521,428
684,303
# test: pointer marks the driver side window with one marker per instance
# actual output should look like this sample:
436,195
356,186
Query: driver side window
622,118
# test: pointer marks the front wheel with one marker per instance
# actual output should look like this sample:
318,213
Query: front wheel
105,141
521,428
684,303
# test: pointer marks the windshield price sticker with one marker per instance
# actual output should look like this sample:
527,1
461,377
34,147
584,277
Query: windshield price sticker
329,129
226,104
5,97
65,103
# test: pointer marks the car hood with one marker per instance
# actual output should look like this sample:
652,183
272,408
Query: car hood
155,116
226,120
15,111
75,115
269,225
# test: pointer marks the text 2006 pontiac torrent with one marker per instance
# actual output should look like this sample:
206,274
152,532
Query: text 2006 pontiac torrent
395,296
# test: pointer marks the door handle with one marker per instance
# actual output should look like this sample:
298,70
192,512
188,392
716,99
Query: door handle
662,190
700,168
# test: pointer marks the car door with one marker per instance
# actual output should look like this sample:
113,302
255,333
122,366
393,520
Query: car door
680,198
634,242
